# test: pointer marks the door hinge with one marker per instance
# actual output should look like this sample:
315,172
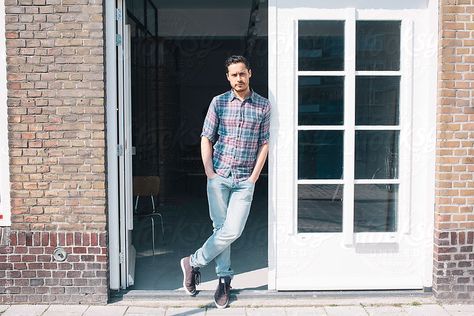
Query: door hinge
122,258
119,150
118,39
118,14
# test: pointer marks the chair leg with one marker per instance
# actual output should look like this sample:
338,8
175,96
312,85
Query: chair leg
153,203
136,203
153,234
162,226
159,214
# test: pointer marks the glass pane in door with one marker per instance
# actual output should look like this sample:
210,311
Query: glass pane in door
320,100
319,208
320,154
377,100
378,45
376,154
320,45
375,207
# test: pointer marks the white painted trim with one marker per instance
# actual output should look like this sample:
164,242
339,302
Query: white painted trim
405,122
121,158
111,125
377,181
130,253
376,237
377,128
349,127
307,181
320,128
5,206
294,130
433,15
321,73
128,127
272,156
377,73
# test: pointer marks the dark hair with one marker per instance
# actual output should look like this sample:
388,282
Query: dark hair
235,59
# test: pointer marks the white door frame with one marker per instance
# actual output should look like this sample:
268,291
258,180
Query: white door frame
272,153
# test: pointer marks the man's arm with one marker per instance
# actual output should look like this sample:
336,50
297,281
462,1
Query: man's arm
263,138
208,136
206,155
261,157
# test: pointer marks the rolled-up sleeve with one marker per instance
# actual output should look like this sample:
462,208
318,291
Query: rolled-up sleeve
264,134
211,122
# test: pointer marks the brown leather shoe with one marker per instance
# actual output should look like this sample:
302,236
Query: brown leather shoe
191,276
222,294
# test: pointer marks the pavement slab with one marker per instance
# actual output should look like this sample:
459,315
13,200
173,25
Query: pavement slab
424,310
354,310
459,309
385,311
25,310
142,311
65,310
106,310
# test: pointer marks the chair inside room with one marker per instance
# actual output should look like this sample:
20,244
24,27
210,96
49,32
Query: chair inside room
148,186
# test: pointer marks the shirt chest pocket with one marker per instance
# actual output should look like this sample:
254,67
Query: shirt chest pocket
251,119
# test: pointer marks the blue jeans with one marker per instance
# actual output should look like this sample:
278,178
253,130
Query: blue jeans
229,207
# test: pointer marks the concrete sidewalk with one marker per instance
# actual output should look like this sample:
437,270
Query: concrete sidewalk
349,310
255,303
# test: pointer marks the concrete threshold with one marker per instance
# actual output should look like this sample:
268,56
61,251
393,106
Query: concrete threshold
262,298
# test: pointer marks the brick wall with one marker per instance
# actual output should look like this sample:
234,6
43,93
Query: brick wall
454,214
30,275
55,73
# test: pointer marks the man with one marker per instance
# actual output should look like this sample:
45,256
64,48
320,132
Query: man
234,147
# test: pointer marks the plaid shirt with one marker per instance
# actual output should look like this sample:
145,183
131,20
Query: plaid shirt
237,129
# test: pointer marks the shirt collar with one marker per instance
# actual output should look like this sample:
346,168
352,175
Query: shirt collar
233,96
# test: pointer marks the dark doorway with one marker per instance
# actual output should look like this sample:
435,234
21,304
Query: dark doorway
177,66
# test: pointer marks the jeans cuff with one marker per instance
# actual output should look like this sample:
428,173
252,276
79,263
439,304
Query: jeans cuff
192,263
225,275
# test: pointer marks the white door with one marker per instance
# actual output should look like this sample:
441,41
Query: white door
127,250
345,214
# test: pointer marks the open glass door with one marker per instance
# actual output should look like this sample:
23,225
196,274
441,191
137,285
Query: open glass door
127,250
344,106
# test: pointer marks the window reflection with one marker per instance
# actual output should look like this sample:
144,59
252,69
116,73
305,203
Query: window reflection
376,155
321,45
320,208
375,207
377,100
378,45
320,100
320,154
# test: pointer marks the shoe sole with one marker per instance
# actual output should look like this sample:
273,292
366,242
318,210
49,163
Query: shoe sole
184,278
221,306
